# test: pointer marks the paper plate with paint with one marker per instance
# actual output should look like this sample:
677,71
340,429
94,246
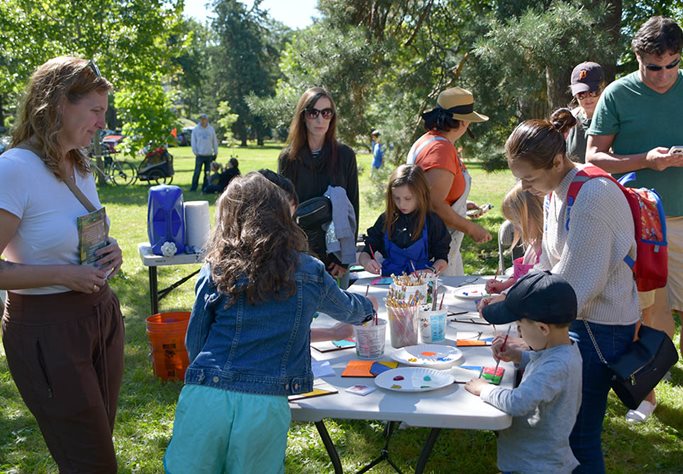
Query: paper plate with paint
428,355
471,292
413,379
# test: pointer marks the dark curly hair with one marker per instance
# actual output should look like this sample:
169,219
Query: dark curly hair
440,119
658,35
255,246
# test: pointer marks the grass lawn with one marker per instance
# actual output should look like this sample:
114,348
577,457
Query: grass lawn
146,408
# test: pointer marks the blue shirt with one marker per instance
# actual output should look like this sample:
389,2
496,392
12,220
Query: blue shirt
264,348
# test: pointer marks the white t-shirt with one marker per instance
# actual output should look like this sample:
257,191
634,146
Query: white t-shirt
47,233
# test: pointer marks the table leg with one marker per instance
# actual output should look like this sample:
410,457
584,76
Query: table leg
153,289
427,450
329,446
389,429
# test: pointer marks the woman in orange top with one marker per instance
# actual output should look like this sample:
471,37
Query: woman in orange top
449,180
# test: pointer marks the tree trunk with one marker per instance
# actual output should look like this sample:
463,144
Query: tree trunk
556,87
612,23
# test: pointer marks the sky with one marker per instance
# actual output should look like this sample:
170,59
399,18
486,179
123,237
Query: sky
293,13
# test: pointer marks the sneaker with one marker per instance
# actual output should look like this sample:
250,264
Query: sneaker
642,413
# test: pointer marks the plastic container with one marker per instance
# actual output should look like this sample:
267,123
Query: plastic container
403,325
166,334
165,217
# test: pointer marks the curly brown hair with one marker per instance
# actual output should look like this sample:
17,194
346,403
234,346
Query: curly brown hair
40,116
255,246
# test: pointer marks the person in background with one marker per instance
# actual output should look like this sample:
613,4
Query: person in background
635,124
408,235
525,211
249,334
448,178
545,404
588,251
314,160
62,328
205,148
219,180
377,152
587,83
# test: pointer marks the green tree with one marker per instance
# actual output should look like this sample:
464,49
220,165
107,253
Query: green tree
244,63
129,39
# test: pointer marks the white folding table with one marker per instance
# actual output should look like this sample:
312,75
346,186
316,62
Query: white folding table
449,407
152,261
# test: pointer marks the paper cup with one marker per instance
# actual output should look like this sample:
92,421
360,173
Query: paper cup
403,324
370,339
432,325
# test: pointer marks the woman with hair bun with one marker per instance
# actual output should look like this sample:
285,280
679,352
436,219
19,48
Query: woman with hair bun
449,181
589,253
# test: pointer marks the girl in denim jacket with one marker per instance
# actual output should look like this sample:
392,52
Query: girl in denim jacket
249,334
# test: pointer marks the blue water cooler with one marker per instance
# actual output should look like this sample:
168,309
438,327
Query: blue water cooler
165,217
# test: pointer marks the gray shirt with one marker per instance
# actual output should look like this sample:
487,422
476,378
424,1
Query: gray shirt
543,409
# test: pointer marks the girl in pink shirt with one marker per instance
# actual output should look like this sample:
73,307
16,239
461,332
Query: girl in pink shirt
525,211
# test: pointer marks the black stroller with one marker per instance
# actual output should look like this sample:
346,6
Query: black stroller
157,167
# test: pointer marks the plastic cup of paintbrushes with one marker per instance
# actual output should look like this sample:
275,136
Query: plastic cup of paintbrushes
370,339
403,324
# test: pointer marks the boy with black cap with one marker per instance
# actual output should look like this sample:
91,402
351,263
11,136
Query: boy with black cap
545,404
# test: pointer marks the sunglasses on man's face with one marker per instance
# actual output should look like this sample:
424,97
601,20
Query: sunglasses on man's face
583,95
313,113
655,68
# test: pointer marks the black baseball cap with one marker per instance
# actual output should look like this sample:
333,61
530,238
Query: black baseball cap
586,77
539,296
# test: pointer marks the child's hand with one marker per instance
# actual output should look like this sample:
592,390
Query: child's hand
497,286
484,302
475,386
513,349
373,267
440,265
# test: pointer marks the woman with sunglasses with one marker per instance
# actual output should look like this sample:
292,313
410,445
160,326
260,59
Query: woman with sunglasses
314,160
587,83
62,328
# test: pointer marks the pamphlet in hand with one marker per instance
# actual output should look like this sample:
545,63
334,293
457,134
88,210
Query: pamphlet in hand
92,235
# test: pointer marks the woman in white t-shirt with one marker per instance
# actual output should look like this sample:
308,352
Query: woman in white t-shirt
62,326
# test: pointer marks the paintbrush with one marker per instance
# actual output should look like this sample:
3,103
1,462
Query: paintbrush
502,348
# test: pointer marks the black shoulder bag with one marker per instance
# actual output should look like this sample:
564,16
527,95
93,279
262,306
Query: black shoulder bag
642,366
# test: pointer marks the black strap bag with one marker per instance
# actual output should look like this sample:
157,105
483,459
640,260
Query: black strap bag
643,365
313,213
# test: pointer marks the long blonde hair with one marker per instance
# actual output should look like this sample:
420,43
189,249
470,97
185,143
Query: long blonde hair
525,211
40,117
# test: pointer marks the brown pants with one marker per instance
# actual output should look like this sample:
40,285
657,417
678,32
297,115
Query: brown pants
65,354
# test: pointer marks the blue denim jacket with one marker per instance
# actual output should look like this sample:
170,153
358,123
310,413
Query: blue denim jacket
264,348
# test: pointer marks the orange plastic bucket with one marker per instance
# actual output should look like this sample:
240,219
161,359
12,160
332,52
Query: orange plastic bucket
166,333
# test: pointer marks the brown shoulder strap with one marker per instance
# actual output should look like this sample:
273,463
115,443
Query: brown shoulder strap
79,195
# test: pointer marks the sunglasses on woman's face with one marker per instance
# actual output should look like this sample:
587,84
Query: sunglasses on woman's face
655,68
583,95
313,113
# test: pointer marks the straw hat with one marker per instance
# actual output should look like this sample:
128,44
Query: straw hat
460,103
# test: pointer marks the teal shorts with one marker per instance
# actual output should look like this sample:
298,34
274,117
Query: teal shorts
218,431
